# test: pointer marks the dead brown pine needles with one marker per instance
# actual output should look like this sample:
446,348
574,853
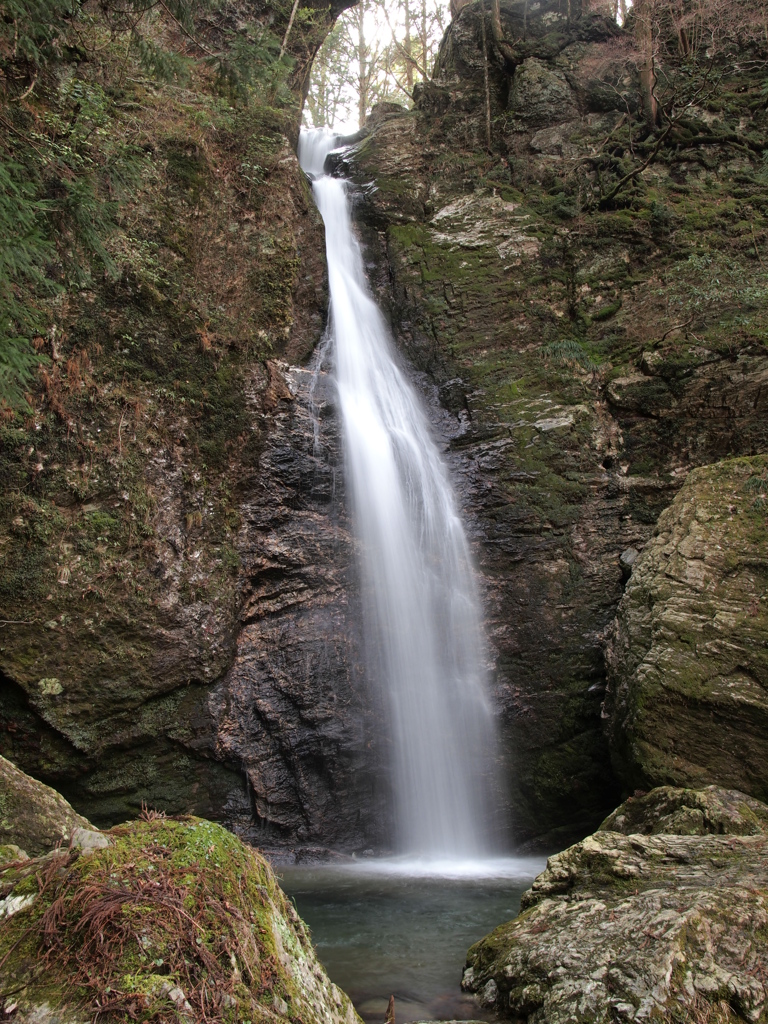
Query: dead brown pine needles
170,923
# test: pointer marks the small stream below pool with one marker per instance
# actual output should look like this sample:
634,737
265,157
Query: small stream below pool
404,927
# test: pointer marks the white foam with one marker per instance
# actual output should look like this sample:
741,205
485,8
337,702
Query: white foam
522,869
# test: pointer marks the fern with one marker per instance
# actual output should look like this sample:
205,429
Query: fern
569,352
29,28
756,485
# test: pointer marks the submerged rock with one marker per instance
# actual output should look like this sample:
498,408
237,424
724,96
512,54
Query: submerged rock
687,698
638,927
173,920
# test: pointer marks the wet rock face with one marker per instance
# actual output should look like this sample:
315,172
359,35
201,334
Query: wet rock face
295,710
687,664
121,582
116,683
635,927
542,320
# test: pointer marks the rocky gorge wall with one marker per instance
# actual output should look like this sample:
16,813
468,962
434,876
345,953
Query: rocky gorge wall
175,583
590,349
179,622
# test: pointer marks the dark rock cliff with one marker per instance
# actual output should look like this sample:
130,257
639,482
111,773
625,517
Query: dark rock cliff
591,348
178,594
294,710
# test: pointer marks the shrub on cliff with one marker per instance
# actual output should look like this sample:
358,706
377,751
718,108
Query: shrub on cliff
67,164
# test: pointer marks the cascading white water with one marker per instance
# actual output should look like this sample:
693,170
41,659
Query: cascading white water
424,633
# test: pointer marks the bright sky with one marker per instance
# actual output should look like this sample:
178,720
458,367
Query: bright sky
376,31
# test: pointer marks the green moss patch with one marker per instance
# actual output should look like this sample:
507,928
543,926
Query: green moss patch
175,920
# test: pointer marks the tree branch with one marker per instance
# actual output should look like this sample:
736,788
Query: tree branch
638,170
402,50
187,33
288,29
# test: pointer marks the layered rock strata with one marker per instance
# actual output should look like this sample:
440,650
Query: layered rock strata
639,927
294,710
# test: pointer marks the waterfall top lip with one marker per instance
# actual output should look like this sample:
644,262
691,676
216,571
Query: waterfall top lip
317,144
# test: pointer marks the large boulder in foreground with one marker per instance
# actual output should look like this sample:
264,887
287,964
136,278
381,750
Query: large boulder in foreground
636,928
173,920
32,815
687,699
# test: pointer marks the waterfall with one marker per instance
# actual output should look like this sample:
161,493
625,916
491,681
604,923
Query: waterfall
423,628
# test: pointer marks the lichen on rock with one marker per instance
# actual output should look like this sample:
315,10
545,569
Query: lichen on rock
687,663
695,812
636,928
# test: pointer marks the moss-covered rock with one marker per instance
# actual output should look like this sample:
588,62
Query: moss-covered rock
664,928
175,920
688,659
129,544
689,812
33,816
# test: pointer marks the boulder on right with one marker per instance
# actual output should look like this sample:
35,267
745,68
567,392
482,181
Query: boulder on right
687,697
668,810
649,929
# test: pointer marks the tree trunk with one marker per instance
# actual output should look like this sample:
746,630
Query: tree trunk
485,78
644,34
288,29
408,47
363,72
504,47
424,39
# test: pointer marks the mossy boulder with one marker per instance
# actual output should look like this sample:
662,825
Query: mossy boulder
32,815
687,700
695,812
174,920
635,928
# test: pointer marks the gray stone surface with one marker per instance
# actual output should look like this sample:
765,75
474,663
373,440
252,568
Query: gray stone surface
634,928
708,811
687,698
32,815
